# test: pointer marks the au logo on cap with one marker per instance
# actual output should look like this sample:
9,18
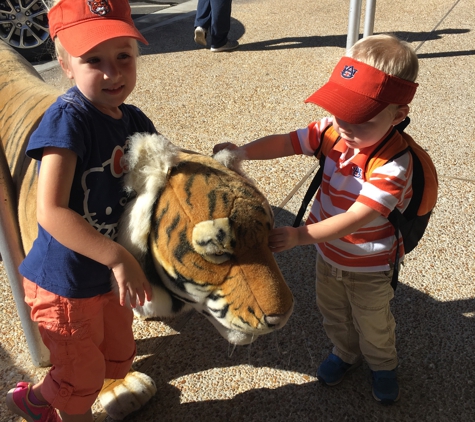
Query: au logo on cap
99,7
348,72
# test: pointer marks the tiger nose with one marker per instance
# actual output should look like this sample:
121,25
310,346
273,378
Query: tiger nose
278,321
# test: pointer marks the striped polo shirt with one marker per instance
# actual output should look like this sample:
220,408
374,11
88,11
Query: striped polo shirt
371,248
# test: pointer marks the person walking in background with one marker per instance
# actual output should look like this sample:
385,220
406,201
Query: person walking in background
214,17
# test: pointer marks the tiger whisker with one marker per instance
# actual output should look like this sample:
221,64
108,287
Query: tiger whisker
308,348
276,338
249,350
230,353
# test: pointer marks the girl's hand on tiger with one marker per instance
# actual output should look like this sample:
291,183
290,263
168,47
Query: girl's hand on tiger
131,281
283,238
224,145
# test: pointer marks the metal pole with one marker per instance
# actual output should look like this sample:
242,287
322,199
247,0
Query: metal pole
353,23
12,254
369,18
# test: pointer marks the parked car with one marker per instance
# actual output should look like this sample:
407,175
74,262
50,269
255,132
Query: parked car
24,26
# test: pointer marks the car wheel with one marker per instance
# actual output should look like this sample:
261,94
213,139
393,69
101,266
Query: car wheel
24,26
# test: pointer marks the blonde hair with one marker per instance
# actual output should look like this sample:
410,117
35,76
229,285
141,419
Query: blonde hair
387,53
59,50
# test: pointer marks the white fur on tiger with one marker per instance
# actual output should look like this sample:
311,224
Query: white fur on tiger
119,398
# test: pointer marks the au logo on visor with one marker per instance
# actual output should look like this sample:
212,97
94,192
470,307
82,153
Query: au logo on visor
348,72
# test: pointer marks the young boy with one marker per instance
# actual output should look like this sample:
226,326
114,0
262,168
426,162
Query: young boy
367,95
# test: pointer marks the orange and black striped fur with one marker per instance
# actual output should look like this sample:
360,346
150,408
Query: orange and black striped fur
203,239
24,97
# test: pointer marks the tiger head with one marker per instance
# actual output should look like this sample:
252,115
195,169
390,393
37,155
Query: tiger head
200,231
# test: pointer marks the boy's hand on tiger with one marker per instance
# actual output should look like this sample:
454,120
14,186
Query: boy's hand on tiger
283,238
224,145
131,280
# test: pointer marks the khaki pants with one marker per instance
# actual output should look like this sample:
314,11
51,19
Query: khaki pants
356,315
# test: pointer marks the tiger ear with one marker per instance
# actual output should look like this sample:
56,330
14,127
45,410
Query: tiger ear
231,159
213,240
147,162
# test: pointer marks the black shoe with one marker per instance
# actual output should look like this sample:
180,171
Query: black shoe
385,386
230,45
332,370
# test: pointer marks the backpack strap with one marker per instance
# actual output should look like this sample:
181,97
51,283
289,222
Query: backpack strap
328,139
392,147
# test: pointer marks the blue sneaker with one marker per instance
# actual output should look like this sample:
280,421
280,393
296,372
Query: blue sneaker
332,370
385,386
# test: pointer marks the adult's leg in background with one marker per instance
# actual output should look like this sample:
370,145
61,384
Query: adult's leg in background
203,14
220,22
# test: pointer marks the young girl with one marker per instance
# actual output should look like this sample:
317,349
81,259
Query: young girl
67,274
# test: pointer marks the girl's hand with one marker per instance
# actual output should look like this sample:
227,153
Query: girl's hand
132,281
283,238
224,145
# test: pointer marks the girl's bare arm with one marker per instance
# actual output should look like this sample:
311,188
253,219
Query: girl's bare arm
71,230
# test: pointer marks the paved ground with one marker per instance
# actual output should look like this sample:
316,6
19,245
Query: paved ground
197,99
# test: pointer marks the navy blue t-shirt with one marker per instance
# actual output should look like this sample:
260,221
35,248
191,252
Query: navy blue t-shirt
72,122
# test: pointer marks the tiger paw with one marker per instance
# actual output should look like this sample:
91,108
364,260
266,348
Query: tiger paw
121,397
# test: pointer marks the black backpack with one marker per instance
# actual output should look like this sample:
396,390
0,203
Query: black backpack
412,223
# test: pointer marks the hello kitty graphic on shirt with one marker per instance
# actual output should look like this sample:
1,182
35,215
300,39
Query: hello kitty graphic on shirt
102,208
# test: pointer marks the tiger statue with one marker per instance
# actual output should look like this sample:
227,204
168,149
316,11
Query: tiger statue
200,231
195,223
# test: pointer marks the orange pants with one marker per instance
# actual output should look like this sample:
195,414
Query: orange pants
88,339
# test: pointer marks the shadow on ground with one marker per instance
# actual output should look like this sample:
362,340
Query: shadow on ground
180,38
440,329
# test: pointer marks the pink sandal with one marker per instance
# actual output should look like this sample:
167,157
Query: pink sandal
19,403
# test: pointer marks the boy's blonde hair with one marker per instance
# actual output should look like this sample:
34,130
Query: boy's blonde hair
387,53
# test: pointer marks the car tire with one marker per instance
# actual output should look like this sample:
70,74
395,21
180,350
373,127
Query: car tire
24,26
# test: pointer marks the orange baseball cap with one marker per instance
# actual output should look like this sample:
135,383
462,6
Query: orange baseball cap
357,92
80,25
